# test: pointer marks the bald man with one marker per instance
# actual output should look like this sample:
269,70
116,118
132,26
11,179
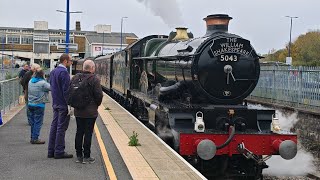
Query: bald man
87,116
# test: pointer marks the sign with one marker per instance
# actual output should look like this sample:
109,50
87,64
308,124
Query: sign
71,46
289,60
229,49
98,50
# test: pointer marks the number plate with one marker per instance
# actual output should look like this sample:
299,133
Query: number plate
229,57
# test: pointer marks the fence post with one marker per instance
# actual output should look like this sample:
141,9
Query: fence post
300,86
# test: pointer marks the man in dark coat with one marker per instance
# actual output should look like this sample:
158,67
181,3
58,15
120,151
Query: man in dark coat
87,116
59,81
23,71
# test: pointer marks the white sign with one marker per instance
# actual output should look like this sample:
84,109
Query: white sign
289,60
97,50
71,46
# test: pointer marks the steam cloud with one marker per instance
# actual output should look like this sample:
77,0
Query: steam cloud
167,10
299,165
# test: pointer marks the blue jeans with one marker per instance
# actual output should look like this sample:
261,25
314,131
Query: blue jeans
36,119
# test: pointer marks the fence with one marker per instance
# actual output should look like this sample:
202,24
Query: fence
296,87
9,73
10,90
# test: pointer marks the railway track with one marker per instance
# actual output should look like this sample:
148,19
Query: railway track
313,176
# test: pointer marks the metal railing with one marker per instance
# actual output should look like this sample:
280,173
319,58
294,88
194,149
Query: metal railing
296,87
10,91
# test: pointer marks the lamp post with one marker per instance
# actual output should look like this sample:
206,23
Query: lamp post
68,24
121,32
289,49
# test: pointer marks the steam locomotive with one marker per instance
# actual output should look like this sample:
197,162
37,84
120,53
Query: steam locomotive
193,90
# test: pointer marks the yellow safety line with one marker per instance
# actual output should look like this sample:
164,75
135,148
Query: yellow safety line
104,153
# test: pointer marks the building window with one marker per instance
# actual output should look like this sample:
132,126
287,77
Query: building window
2,39
12,39
71,41
55,39
26,39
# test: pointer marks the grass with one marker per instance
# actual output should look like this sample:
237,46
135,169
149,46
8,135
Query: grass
134,141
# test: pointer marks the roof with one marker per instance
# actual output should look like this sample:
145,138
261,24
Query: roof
112,38
93,37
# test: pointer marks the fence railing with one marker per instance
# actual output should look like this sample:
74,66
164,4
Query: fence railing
296,87
10,91
9,73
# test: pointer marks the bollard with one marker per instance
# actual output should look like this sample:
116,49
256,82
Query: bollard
1,122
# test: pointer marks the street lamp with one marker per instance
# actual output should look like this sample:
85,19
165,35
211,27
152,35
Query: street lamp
121,32
289,51
68,24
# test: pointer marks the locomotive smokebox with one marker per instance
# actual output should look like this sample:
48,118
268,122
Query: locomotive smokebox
217,23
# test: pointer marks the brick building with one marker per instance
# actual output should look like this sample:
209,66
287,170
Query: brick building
44,46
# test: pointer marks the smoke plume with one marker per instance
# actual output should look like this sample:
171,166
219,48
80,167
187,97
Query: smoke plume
298,166
167,10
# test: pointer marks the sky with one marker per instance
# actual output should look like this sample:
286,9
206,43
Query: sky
263,22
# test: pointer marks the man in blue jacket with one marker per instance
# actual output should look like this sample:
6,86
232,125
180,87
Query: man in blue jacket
59,81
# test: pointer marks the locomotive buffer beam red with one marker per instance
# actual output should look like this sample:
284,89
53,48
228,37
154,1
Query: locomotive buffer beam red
252,146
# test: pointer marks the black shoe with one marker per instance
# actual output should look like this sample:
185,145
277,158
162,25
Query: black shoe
50,156
38,141
63,156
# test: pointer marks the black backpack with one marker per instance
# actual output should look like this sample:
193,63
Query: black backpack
80,91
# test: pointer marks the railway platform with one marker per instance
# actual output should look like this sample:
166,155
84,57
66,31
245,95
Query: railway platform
114,158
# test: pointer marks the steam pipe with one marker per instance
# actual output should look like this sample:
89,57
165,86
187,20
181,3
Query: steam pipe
170,89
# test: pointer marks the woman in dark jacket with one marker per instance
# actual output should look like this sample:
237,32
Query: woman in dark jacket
87,116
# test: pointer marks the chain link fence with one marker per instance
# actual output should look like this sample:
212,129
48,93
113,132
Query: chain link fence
295,87
9,73
10,91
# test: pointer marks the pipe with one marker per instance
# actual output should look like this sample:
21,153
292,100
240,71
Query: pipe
232,131
170,89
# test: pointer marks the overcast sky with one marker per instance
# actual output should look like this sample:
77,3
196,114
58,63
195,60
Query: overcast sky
263,22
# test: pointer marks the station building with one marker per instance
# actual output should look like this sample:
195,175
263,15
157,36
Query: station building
44,46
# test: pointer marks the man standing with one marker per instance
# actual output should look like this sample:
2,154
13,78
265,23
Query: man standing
25,81
59,81
86,117
23,71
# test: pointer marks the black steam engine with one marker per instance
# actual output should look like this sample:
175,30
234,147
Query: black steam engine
192,90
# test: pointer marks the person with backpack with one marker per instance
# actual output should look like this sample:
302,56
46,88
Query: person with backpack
59,81
85,96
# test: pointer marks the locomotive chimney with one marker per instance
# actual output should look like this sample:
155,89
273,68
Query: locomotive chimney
217,23
181,34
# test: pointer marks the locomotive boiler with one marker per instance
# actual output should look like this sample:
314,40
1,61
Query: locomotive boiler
193,91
